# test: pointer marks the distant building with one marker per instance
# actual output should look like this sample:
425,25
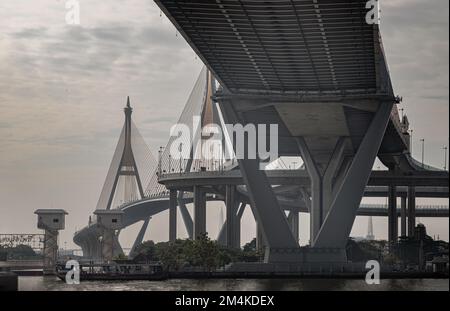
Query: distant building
438,264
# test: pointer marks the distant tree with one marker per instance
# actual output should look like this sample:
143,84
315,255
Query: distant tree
121,256
206,252
146,251
21,252
201,252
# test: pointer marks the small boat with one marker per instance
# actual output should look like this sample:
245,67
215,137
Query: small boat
115,271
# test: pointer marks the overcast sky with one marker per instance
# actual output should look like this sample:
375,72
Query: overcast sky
63,87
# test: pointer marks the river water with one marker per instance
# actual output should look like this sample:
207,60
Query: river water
49,283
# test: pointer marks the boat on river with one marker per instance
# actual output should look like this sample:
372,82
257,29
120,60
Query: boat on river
91,271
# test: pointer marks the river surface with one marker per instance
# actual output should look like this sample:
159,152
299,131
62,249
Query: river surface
49,283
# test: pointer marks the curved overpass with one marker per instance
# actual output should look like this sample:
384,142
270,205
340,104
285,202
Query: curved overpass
87,238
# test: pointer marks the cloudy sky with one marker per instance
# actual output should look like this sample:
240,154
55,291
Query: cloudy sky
63,87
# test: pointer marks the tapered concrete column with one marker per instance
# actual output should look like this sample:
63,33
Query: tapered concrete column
342,213
265,206
187,219
232,221
222,236
321,183
411,210
240,212
139,238
293,220
403,217
392,215
172,215
199,212
260,242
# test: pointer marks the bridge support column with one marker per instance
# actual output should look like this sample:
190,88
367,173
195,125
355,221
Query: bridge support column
172,215
260,242
232,221
411,210
403,217
187,219
338,223
392,216
199,212
321,183
222,236
240,212
107,244
109,221
265,207
139,238
293,220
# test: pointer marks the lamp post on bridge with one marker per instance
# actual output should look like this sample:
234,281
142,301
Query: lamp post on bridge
423,151
181,148
445,157
411,141
160,159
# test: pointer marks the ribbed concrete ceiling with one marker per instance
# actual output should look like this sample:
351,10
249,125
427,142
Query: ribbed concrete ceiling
282,46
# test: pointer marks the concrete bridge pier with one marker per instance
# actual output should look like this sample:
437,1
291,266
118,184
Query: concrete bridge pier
268,214
173,199
109,221
139,238
222,236
185,215
392,216
322,175
293,219
199,212
260,242
403,212
232,222
338,222
411,210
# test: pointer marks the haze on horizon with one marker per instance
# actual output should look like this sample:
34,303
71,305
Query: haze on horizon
63,87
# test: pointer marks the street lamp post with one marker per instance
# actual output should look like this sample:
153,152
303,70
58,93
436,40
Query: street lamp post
411,142
423,151
181,148
445,158
160,159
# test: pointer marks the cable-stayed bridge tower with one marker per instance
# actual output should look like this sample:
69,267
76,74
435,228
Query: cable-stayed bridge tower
130,169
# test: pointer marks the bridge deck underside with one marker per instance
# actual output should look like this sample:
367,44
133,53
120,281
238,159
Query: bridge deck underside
282,46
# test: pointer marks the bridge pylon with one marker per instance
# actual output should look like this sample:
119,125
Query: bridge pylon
122,184
127,166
